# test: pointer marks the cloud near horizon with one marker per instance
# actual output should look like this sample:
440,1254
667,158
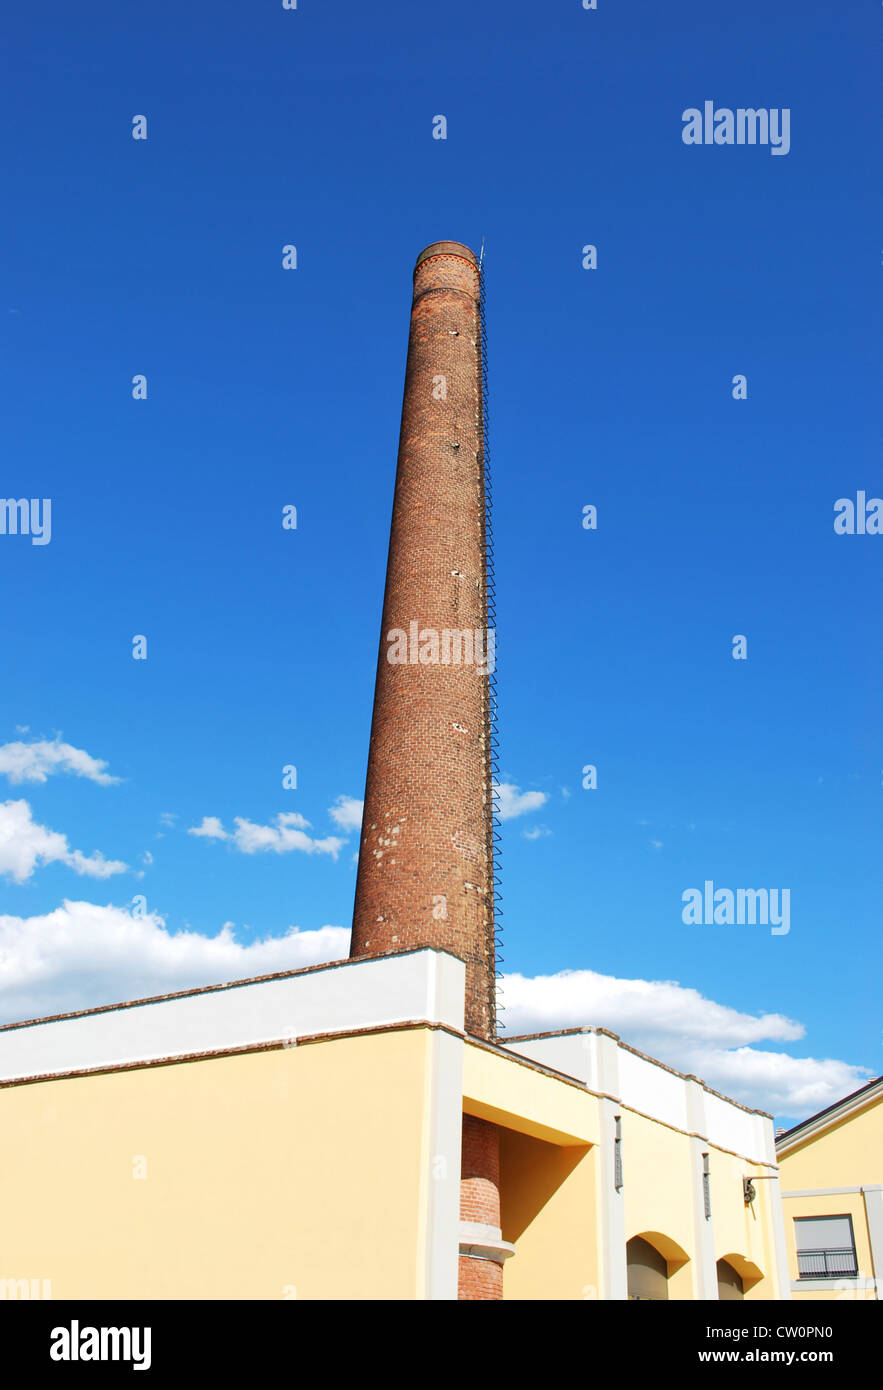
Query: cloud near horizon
681,1027
82,955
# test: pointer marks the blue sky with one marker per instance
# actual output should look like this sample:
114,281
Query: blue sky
610,387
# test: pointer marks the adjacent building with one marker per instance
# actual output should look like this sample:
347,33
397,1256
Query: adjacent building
831,1169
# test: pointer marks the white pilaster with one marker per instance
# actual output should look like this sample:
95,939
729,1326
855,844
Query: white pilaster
610,1202
442,1187
704,1264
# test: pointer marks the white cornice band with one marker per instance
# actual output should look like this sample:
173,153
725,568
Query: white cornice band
484,1242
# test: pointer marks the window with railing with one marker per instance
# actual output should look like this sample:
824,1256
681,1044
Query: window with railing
825,1247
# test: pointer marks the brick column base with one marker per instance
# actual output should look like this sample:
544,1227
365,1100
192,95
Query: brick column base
479,1280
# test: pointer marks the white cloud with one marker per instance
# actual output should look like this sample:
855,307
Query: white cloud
512,802
347,812
286,835
82,955
211,828
34,762
679,1026
656,844
777,1082
630,1007
24,844
536,832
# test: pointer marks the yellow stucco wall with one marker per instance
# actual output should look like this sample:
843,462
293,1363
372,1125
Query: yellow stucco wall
743,1235
550,1184
658,1196
267,1173
305,1172
547,1173
849,1154
548,1212
505,1091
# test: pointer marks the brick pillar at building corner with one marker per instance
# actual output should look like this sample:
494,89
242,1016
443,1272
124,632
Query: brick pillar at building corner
482,1250
425,873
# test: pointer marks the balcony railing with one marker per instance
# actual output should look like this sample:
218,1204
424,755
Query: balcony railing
827,1264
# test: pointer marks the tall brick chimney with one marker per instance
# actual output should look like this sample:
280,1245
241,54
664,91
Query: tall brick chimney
425,873
426,857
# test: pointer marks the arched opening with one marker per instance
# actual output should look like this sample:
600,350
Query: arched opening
729,1281
736,1275
647,1270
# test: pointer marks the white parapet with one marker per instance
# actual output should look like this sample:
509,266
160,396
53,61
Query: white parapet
609,1067
415,986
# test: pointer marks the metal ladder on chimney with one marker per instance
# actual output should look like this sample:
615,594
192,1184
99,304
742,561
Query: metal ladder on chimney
493,766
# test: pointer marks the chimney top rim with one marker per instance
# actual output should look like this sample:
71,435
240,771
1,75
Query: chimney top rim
447,248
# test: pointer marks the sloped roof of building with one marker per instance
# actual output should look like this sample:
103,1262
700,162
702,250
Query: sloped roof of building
840,1110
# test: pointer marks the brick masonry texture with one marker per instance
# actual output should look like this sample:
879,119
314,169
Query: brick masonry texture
479,1280
425,876
480,1201
480,1172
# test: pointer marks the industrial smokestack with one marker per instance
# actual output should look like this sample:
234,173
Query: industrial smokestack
425,873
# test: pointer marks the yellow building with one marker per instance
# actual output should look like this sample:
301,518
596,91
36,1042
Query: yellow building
832,1180
298,1136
